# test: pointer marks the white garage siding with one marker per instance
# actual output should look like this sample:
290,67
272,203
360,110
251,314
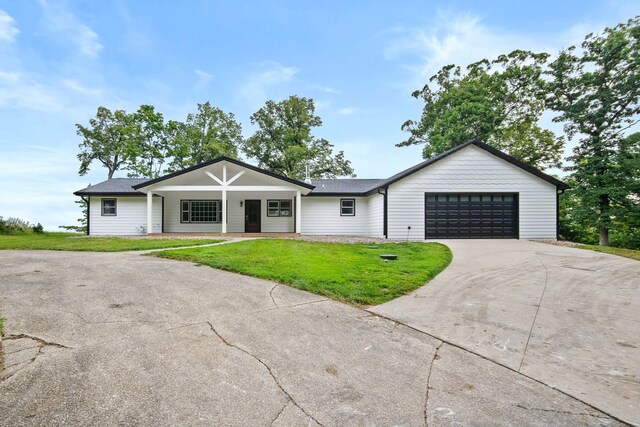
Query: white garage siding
131,217
472,169
321,216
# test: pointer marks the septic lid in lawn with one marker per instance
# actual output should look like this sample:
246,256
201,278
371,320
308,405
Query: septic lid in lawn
372,247
388,256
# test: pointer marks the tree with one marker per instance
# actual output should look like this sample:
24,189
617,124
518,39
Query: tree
284,144
110,138
498,102
595,90
207,134
153,138
82,228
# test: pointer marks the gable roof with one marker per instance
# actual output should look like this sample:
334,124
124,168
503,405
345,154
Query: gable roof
113,186
320,187
224,159
504,156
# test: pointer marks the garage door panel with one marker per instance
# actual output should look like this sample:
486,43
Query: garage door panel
479,215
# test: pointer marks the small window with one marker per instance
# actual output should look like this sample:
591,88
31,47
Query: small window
201,211
109,207
347,207
279,208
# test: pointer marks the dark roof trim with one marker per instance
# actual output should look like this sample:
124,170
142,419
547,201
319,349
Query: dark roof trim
528,168
230,160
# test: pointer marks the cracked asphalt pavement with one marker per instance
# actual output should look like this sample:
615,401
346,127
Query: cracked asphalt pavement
123,339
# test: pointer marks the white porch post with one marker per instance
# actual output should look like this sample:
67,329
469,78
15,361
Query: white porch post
224,199
298,212
149,212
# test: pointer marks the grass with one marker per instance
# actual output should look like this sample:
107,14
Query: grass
627,253
346,272
2,319
75,242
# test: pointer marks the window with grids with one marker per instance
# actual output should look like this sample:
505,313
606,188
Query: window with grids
109,207
347,207
278,207
198,211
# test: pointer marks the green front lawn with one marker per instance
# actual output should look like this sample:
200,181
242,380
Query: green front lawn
627,253
76,242
347,272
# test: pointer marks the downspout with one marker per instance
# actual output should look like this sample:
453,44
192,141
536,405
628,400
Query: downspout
558,213
162,224
384,192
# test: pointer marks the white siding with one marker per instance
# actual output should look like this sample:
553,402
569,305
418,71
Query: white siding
321,216
472,170
131,218
376,215
235,216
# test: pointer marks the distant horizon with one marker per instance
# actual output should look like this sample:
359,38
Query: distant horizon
358,62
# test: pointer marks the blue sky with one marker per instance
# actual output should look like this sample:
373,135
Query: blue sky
359,61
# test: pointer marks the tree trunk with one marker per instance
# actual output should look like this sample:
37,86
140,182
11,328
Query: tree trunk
604,236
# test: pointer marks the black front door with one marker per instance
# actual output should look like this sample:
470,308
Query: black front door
252,216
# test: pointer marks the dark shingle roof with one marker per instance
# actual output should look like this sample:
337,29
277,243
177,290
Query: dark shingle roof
345,186
113,186
323,187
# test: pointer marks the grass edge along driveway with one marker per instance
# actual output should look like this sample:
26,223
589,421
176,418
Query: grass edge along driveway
78,242
346,272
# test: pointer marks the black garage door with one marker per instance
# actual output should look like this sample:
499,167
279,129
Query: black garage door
471,216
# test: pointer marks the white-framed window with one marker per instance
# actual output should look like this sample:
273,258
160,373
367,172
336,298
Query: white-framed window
109,207
279,208
200,211
347,207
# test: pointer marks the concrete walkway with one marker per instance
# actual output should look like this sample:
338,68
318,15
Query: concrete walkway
120,339
567,317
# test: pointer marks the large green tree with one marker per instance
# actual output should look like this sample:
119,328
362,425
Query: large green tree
595,89
153,137
207,134
499,102
111,138
284,142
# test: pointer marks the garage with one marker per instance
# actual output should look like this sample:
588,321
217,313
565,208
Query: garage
471,215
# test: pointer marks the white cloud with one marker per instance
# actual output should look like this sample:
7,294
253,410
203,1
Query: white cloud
463,38
273,74
8,30
83,90
25,91
203,79
329,89
65,25
450,39
347,111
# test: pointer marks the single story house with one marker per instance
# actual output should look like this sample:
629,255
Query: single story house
470,191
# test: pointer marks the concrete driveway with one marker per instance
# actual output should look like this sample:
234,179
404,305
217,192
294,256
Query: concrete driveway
567,317
124,339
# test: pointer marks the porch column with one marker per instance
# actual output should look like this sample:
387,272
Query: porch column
298,212
224,198
149,212
224,210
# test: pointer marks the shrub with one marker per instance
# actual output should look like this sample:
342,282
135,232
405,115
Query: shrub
12,225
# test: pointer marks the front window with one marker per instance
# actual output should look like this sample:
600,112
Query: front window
347,207
199,211
278,207
109,207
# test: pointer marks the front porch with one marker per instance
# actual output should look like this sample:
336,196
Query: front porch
227,198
